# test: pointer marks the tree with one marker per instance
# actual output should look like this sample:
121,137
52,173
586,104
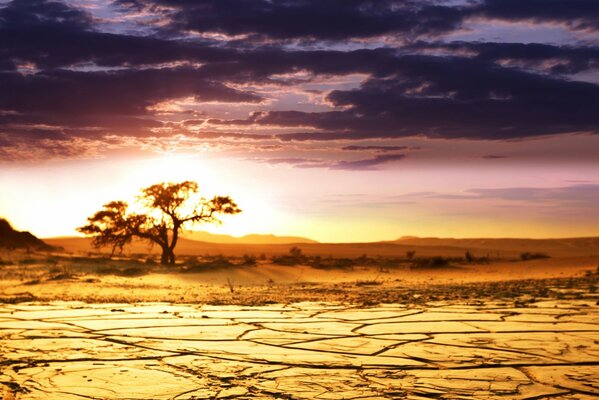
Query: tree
169,208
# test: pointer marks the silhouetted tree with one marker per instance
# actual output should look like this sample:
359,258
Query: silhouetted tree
169,207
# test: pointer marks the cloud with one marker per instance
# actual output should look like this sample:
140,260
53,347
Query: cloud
116,101
577,14
493,157
53,34
63,76
376,149
544,57
322,20
348,165
581,194
332,20
578,196
450,97
369,163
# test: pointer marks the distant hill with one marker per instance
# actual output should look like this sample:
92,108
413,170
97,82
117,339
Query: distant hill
424,247
247,239
13,239
554,247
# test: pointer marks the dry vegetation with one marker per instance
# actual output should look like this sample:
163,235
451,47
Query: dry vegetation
293,276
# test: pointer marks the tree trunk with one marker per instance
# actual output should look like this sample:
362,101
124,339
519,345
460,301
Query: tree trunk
167,257
175,238
164,258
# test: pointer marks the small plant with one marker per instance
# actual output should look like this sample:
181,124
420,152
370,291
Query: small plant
248,260
296,252
533,256
295,256
331,263
410,254
208,263
431,263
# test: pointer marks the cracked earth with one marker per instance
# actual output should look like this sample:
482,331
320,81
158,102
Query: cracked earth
483,350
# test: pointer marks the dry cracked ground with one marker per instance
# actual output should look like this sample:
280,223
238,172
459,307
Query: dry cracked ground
458,350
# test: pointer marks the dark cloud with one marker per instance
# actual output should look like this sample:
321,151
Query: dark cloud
367,164
376,149
451,97
117,100
347,19
323,20
493,157
35,13
231,135
578,14
550,58
127,92
62,76
292,161
53,34
349,165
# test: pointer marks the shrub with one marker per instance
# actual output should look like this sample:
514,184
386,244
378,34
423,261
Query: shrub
431,263
295,256
209,263
332,263
533,256
248,260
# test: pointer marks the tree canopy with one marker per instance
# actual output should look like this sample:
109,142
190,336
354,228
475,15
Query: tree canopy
167,209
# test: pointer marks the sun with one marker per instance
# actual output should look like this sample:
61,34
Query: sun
260,213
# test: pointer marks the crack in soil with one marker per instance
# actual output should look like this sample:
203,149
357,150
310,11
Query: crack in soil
449,349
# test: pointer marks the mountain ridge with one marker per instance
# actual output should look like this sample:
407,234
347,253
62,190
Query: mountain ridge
253,238
13,239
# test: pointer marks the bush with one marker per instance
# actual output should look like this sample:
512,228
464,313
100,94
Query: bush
332,263
248,260
431,263
209,263
533,256
295,256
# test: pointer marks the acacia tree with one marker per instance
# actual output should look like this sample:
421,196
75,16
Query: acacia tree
169,207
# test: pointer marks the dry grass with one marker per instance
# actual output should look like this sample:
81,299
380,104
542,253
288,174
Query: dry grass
247,280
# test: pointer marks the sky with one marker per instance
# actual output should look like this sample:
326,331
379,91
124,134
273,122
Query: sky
338,120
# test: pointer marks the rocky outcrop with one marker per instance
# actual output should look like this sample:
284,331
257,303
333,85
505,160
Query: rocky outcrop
13,239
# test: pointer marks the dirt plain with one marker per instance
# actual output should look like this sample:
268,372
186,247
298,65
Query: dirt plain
89,327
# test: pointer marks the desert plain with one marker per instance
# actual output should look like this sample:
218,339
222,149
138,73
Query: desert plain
413,318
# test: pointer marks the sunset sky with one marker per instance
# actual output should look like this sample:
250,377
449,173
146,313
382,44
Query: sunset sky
338,120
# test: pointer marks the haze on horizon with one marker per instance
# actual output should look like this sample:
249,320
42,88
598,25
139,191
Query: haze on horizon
334,120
